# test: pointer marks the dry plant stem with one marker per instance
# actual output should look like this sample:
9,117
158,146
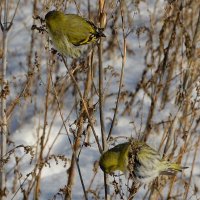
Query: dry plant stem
158,76
103,136
31,51
74,157
59,107
71,170
84,104
170,134
74,160
91,99
191,173
183,149
92,180
42,140
16,101
162,66
186,120
149,118
77,143
32,37
133,190
186,109
21,187
101,98
165,92
3,92
196,34
81,178
101,95
122,71
85,108
166,59
171,187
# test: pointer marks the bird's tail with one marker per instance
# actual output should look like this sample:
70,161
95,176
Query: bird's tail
175,167
172,168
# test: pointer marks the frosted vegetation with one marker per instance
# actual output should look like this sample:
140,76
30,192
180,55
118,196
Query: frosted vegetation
141,81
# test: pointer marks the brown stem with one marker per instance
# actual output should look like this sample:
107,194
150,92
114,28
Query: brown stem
122,72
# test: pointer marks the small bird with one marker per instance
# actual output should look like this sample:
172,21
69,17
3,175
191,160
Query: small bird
137,160
70,31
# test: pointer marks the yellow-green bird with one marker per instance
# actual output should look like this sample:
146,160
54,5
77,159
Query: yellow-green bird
69,31
141,162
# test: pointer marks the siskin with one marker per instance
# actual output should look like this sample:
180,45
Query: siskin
69,31
141,162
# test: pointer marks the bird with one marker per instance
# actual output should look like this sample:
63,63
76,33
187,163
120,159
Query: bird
137,161
70,31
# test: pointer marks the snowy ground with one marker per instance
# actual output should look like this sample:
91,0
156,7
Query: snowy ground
27,119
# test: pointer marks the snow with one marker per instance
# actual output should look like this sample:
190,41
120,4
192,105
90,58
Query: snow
27,122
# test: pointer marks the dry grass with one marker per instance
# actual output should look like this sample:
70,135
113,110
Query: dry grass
85,101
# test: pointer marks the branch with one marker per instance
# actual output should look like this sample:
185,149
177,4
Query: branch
122,72
84,104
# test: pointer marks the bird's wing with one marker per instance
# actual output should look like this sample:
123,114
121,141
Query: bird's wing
79,31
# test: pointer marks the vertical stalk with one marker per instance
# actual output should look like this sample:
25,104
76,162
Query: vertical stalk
84,104
101,99
42,139
77,143
4,93
100,46
123,55
35,12
192,169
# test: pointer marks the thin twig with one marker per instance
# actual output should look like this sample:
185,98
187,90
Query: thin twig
84,104
122,72
59,107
